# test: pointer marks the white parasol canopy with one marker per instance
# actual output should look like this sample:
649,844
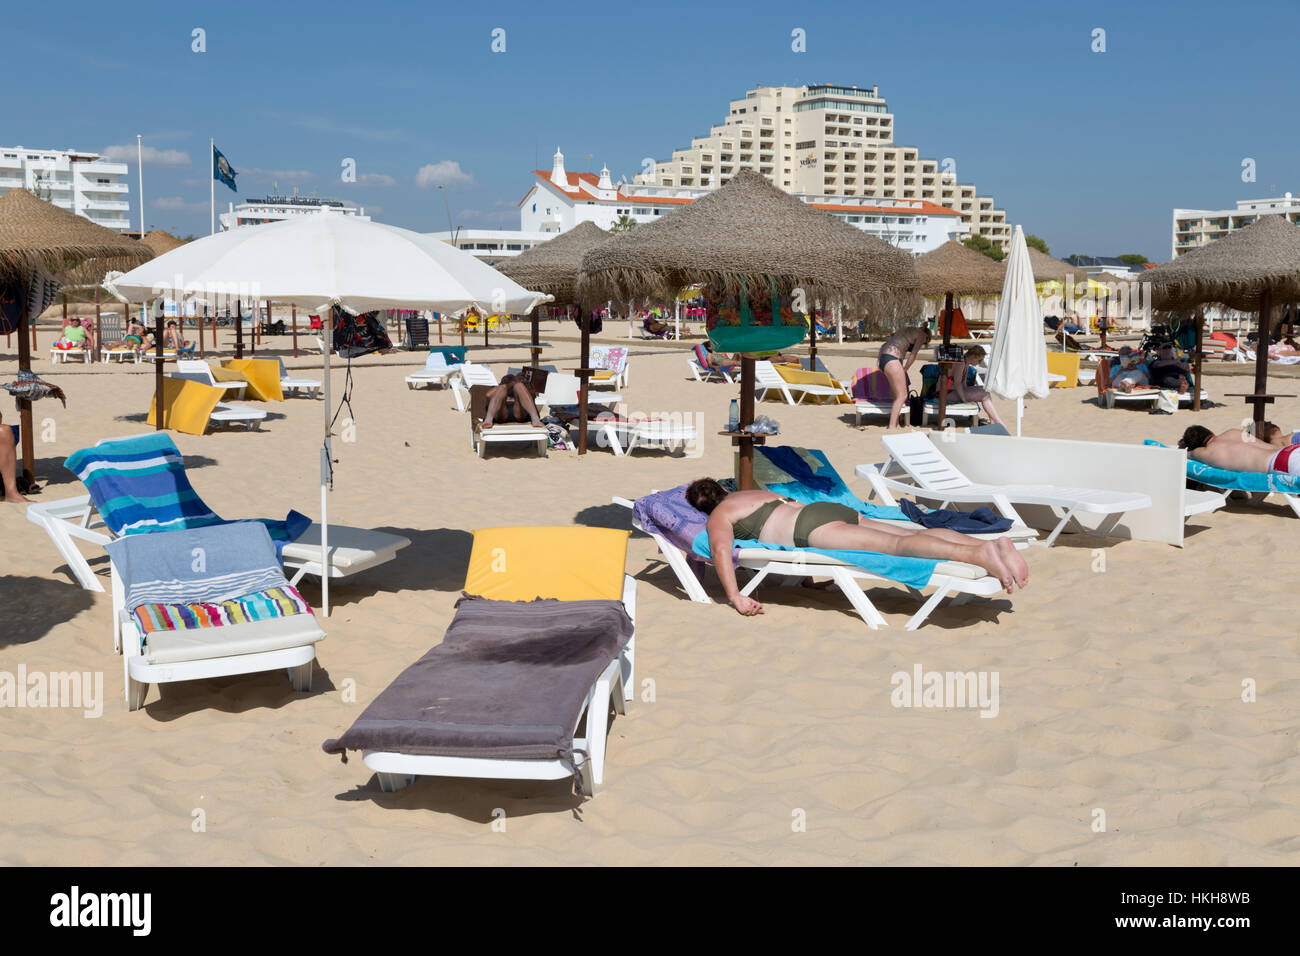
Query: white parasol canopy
321,260
1018,358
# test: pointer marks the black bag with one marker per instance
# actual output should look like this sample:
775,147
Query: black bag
915,409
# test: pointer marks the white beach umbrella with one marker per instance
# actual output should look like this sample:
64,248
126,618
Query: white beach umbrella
321,260
1018,359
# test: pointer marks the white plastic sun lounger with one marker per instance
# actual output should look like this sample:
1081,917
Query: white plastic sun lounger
196,370
287,384
703,374
934,477
470,374
769,379
224,413
436,371
960,580
622,436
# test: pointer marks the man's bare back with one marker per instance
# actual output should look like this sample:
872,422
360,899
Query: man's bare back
1234,450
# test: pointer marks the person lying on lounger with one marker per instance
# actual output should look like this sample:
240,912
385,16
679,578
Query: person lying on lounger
517,400
1237,450
1273,434
9,464
1132,372
767,517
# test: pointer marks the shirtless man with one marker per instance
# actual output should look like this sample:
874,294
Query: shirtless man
1235,450
767,517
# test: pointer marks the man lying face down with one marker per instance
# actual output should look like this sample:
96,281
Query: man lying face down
772,519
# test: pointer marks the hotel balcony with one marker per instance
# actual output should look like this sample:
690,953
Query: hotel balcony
110,204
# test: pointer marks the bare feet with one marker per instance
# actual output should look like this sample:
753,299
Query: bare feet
14,498
993,561
1015,562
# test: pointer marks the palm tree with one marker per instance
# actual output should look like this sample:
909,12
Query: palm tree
623,224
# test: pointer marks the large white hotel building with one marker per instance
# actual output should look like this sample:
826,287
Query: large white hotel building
1193,228
83,183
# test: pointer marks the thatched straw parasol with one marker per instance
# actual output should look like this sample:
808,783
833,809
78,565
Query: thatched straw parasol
749,235
160,241
553,267
1249,269
956,270
38,237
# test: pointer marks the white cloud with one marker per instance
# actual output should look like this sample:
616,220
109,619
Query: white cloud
444,173
375,179
155,157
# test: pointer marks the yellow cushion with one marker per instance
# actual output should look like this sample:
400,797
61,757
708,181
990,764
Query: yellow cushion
186,405
262,375
566,563
801,376
603,375
1064,363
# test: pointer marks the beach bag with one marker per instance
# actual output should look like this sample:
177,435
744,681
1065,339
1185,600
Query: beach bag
930,380
915,409
871,385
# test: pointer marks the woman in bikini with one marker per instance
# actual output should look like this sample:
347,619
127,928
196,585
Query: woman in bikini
959,391
515,399
897,354
767,517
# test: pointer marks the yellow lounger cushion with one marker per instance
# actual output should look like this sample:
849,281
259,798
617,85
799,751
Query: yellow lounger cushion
801,376
262,375
566,563
186,405
602,375
1064,363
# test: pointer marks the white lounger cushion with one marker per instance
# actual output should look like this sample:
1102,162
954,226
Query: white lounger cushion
233,640
349,547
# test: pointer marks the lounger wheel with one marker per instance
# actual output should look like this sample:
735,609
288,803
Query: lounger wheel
392,782
300,677
136,692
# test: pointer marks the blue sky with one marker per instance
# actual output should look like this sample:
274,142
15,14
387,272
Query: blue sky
1089,150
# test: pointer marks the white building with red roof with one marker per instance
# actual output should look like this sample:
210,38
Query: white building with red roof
559,200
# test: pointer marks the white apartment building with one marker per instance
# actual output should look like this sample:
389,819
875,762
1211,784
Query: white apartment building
252,212
560,200
829,141
80,182
492,245
1199,227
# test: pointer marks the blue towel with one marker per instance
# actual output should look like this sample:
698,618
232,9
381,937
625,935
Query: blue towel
912,572
982,520
139,485
1239,480
196,566
829,486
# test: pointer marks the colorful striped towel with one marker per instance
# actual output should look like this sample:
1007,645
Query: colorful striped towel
139,485
259,606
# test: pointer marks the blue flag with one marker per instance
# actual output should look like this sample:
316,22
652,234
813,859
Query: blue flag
222,171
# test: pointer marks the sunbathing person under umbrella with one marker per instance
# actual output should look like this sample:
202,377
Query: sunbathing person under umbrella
767,517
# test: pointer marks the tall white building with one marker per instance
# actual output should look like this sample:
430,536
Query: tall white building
1199,227
827,141
559,200
251,212
83,183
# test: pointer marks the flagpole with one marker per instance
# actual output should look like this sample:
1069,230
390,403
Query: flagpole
212,182
139,162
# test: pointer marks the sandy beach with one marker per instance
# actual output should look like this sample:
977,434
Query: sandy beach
1121,691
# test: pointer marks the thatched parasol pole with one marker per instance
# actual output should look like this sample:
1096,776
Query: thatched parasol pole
1261,358
812,340
484,320
536,347
99,332
25,405
584,374
745,441
158,371
1199,319
294,313
947,318
239,328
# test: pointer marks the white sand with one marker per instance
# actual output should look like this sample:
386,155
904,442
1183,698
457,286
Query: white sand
1119,691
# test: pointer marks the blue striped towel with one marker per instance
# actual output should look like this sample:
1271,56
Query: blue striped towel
139,485
196,566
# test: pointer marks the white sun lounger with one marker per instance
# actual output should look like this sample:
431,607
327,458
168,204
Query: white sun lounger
436,371
613,688
469,374
623,437
960,580
932,476
309,385
769,379
703,374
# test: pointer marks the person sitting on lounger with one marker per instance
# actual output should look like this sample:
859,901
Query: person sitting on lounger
516,398
1132,371
654,326
9,464
1236,450
897,353
1168,372
137,336
718,361
767,517
963,392
172,339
